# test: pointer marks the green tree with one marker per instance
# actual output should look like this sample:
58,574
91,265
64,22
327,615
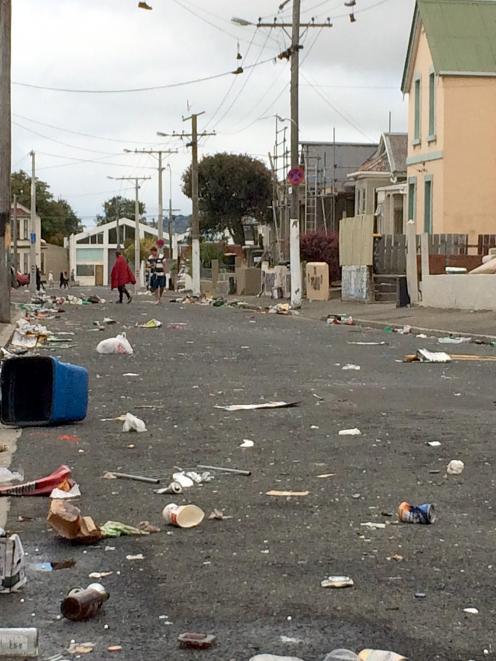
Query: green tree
230,186
118,207
58,219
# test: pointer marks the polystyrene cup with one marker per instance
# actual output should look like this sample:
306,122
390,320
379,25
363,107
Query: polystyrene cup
183,516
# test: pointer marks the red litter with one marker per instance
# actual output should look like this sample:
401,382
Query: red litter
199,641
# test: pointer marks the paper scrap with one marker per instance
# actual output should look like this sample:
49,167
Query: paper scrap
287,494
253,407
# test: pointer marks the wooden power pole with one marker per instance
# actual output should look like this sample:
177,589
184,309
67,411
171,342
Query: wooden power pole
5,150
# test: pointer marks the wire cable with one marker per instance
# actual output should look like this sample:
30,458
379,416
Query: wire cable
64,144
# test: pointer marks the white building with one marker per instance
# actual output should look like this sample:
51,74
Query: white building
92,253
23,239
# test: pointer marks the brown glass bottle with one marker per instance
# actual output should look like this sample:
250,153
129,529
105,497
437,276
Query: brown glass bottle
83,604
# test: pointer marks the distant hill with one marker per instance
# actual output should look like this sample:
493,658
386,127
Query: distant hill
182,223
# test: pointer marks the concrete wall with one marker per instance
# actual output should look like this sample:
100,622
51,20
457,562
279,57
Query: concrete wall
56,260
356,284
463,292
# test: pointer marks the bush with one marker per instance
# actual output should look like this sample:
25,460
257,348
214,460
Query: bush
322,247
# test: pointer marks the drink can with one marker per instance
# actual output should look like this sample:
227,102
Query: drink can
416,513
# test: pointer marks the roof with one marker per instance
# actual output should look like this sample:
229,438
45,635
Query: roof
21,210
389,158
342,157
99,229
461,36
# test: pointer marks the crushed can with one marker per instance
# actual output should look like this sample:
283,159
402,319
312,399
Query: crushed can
416,513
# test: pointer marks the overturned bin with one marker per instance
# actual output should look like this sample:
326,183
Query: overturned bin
41,390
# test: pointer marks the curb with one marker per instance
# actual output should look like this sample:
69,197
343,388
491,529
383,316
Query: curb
435,332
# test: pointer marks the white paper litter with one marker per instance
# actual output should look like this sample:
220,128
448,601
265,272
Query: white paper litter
60,494
455,467
253,407
337,582
434,444
351,367
247,443
350,432
472,611
119,344
132,423
454,340
426,356
6,476
371,524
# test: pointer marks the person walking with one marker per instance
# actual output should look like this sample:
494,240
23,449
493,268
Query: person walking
156,264
121,276
50,279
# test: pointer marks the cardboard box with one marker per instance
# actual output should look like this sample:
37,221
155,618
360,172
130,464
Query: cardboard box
12,565
317,280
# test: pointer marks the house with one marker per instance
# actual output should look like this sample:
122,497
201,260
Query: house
450,77
379,188
92,252
329,194
23,238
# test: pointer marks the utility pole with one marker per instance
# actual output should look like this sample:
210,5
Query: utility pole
195,217
292,53
32,226
137,243
159,153
5,149
14,234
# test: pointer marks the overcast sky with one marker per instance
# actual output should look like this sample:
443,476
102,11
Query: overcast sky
350,80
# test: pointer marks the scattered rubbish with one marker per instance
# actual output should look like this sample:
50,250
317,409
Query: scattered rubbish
65,518
434,444
218,515
114,648
254,407
272,657
187,479
455,467
139,556
12,564
100,574
118,529
22,643
64,388
380,655
371,524
350,432
132,423
147,527
397,557
339,319
290,640
73,492
119,344
183,516
81,648
326,475
369,344
287,494
420,595
7,476
321,399
341,655
247,443
280,308
53,566
223,469
337,582
130,374
59,479
177,326
406,330
454,340
351,367
199,641
174,487
425,356
153,323
109,475
471,611
416,514
83,604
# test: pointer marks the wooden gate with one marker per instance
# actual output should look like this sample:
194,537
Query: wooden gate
485,242
390,254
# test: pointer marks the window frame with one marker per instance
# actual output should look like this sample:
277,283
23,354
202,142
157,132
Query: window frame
428,218
412,199
417,110
432,106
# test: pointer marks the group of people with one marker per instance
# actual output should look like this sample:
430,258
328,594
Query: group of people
157,266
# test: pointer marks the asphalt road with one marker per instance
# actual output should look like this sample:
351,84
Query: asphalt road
254,579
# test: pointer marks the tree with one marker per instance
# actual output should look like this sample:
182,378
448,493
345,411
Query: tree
58,219
230,187
118,207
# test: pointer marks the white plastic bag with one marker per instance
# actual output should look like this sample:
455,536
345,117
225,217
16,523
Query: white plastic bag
132,423
119,344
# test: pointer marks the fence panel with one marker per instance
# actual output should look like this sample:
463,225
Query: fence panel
356,242
390,254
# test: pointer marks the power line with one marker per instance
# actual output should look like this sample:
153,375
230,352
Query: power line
87,160
139,89
64,144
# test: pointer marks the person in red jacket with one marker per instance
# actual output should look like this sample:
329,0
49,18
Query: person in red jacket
121,276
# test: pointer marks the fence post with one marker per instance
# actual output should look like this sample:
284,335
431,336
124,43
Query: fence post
411,262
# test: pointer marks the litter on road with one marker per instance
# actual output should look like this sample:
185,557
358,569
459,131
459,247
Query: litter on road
350,432
247,443
83,604
199,641
119,344
183,516
61,478
132,423
287,494
153,323
337,582
351,367
255,407
455,467
223,469
19,643
416,513
135,478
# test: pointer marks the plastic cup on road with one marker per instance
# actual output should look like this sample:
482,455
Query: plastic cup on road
183,516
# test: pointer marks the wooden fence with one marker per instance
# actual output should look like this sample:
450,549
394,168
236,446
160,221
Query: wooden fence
390,254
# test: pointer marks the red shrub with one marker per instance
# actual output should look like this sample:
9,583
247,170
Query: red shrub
322,247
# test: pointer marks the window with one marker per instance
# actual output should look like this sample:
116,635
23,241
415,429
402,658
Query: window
412,202
428,205
87,270
25,263
432,106
416,130
24,235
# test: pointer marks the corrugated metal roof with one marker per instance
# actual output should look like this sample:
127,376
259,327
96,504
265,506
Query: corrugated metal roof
461,34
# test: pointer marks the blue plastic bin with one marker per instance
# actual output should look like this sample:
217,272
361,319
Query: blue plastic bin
40,390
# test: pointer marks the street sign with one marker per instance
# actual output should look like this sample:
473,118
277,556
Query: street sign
296,176
33,237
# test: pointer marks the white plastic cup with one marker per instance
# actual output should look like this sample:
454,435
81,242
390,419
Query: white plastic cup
183,516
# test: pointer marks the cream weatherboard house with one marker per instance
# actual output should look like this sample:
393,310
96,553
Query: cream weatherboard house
450,77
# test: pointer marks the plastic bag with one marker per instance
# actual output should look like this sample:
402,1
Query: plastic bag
119,344
132,423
